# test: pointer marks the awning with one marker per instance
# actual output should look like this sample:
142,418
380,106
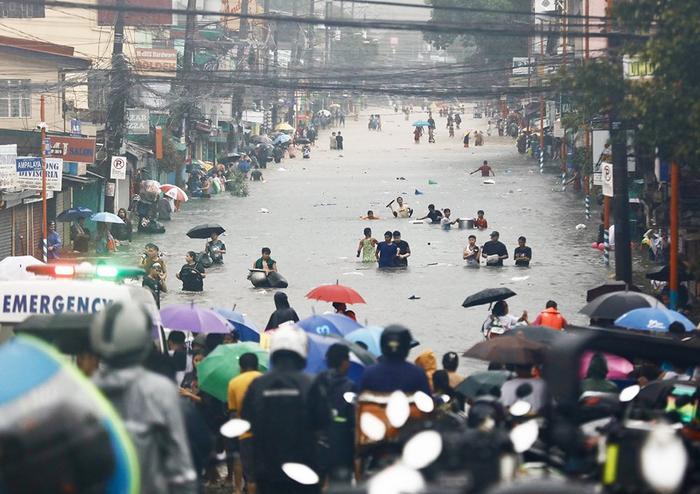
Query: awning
79,179
138,152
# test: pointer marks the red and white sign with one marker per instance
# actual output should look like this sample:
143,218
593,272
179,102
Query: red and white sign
607,177
156,59
118,169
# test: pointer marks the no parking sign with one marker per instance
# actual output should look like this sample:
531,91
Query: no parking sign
118,170
607,176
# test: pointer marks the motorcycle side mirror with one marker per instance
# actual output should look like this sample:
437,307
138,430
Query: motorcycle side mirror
350,397
398,409
520,408
523,391
523,436
299,472
629,393
422,449
234,428
372,427
423,402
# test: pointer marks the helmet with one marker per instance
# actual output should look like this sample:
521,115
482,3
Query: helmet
396,341
291,338
121,335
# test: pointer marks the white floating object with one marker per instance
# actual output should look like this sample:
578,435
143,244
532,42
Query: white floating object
281,169
263,210
423,402
396,479
417,222
353,273
398,409
372,427
234,428
299,472
580,226
523,436
422,449
489,181
519,278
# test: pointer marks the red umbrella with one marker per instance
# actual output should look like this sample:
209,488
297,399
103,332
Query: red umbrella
336,293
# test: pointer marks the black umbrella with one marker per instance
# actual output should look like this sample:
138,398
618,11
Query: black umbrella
612,305
230,158
488,296
205,230
609,287
73,214
539,334
509,349
483,383
664,273
303,140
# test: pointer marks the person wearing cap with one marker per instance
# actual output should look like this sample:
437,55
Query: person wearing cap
148,403
404,250
386,251
393,372
450,362
494,251
53,242
286,410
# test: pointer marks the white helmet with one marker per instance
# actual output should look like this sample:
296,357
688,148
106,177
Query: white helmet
291,338
121,335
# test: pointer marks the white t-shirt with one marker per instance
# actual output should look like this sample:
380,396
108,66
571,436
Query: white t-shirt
537,398
446,223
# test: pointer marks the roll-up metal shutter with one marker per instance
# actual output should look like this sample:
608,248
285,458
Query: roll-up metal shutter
5,233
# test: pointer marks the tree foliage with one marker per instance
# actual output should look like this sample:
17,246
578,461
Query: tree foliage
666,108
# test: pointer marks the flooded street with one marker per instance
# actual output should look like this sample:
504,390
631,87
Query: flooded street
313,228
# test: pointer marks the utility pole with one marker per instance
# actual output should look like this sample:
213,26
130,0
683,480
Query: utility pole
186,95
118,90
673,257
238,93
327,54
266,68
541,76
44,224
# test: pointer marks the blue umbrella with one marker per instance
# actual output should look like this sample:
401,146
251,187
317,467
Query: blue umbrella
327,324
281,139
73,214
421,123
370,336
105,217
247,331
316,356
653,319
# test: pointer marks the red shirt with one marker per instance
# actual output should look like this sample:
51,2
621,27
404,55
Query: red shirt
481,223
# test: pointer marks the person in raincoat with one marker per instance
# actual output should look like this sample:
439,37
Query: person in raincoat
283,312
427,361
148,403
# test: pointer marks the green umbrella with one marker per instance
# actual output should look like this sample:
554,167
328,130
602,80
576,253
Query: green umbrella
221,365
482,382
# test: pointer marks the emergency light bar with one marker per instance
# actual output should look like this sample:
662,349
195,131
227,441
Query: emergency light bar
86,270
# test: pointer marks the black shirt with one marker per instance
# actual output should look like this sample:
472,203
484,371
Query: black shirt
191,277
522,251
494,247
435,216
156,286
403,249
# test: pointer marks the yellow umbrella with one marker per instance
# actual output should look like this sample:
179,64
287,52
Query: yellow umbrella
284,127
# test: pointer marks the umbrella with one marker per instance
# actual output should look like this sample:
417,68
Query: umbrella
247,331
370,336
72,214
612,305
334,105
316,356
282,139
325,113
653,319
262,139
336,293
618,367
189,317
177,194
230,158
482,383
508,349
609,287
421,123
221,365
664,272
327,324
205,230
303,140
488,296
105,217
540,334
284,127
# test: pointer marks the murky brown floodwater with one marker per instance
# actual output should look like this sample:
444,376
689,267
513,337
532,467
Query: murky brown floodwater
313,228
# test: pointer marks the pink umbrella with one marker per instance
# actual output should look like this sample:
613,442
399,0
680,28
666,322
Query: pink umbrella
174,192
618,367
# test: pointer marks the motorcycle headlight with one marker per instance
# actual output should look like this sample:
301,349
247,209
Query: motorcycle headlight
663,459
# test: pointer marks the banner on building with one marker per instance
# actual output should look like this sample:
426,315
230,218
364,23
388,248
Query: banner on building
156,59
8,173
607,178
137,121
521,66
160,16
118,169
29,176
78,149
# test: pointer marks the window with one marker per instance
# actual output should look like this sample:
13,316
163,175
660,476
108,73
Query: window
15,98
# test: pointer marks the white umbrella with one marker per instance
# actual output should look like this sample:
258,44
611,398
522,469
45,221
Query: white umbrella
105,217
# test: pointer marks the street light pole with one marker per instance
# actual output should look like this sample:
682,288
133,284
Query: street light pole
44,226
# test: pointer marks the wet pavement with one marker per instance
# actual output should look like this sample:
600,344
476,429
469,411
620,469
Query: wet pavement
313,227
